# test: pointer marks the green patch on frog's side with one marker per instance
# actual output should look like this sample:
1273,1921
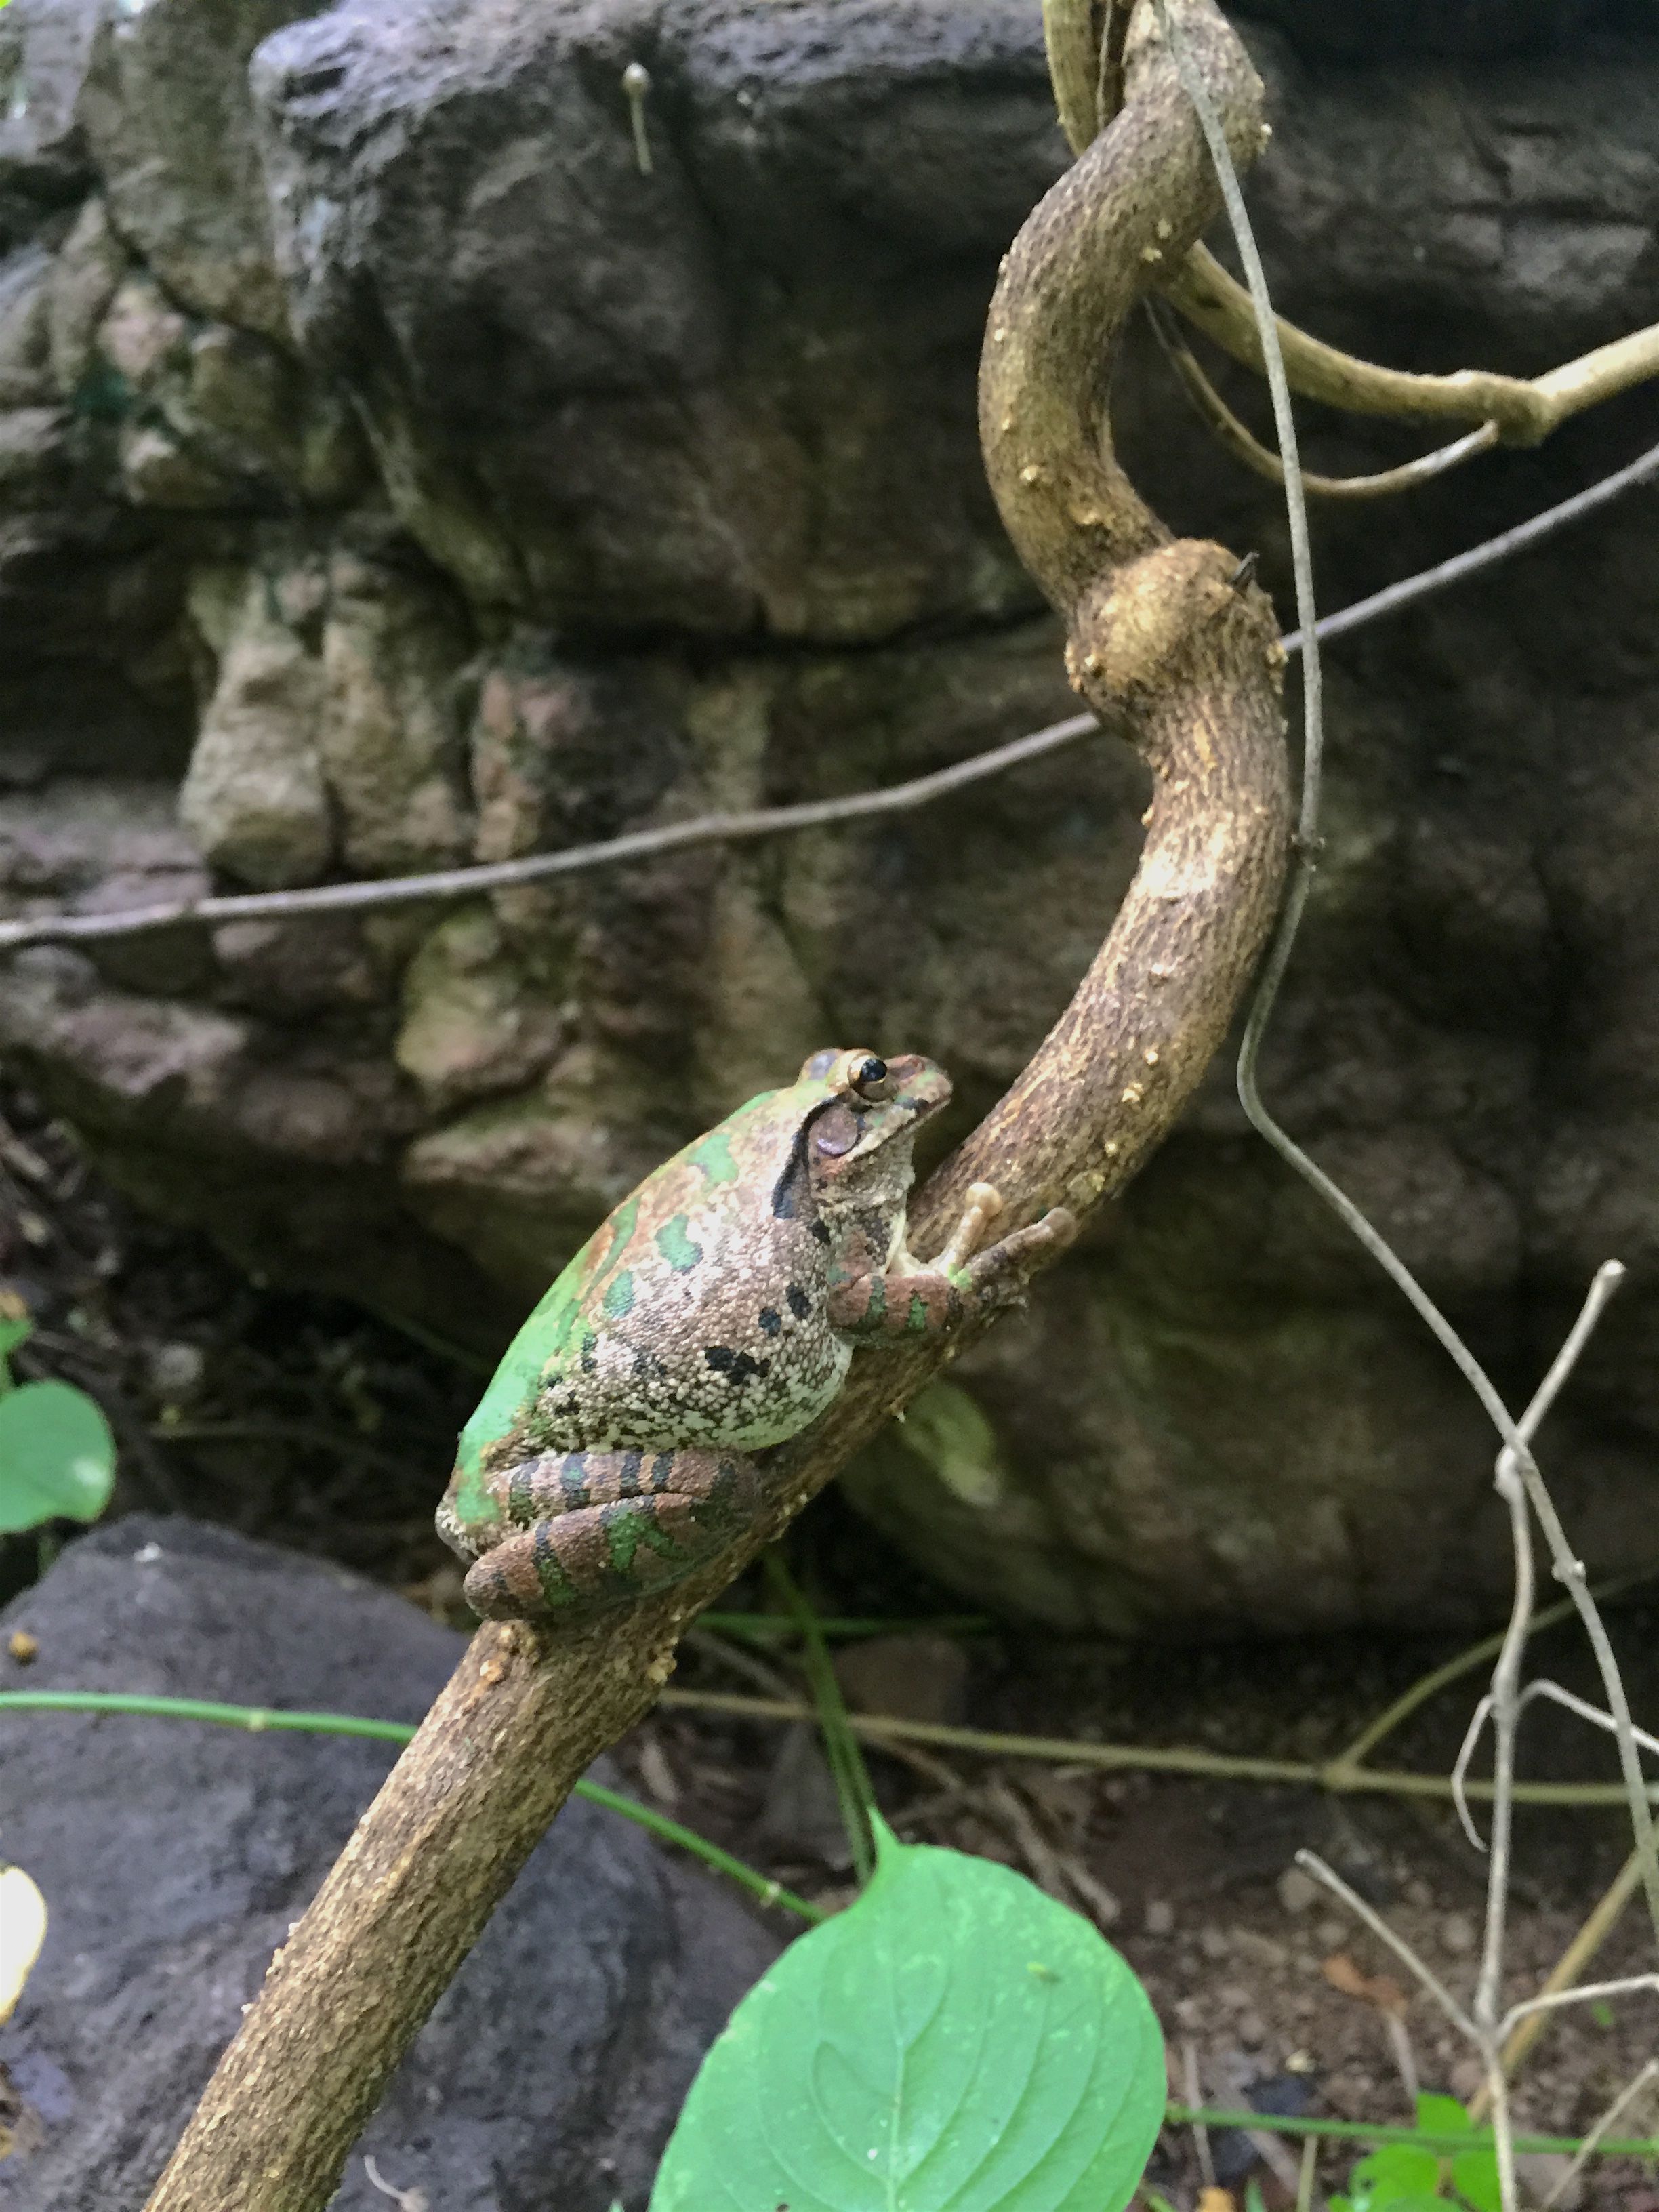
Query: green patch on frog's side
621,1231
713,1153
619,1294
677,1246
545,1341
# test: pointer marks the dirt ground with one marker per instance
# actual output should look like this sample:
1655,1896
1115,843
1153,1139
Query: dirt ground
304,1422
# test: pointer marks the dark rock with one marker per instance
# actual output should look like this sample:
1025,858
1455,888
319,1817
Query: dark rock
173,1858
917,1678
733,395
801,1814
1465,30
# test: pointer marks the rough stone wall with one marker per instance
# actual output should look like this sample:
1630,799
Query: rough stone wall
391,474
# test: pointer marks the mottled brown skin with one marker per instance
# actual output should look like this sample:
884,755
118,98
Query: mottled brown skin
1186,668
712,1315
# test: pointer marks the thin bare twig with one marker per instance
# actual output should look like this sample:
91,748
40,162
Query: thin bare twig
1621,2103
1512,1646
1312,1862
728,829
1585,1710
1598,1923
1586,1993
1304,2187
1194,2089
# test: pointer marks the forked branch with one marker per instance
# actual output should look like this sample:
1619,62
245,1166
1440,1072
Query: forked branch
1085,40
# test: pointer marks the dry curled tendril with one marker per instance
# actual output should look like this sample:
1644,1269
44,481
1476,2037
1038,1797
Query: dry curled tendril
1086,40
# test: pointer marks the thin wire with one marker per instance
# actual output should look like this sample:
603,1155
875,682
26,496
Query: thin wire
1568,1568
534,867
1485,556
771,821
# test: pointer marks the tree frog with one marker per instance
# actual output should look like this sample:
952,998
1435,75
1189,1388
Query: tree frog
714,1313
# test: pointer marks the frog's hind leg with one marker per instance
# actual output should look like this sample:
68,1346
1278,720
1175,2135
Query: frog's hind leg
594,1528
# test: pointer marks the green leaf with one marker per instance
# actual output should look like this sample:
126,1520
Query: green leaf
1474,2176
1395,2178
1441,2116
955,2041
15,1329
56,1456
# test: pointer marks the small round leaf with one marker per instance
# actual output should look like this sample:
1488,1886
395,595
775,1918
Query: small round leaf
955,2041
56,1456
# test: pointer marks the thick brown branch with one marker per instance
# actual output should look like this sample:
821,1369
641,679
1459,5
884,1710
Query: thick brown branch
1164,648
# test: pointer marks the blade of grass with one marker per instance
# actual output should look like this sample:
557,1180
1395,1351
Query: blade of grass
259,1719
846,1767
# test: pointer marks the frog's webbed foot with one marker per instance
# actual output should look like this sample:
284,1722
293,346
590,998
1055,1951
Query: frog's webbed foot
939,1295
582,1531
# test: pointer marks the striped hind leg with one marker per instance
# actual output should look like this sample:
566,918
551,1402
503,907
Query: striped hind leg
586,1530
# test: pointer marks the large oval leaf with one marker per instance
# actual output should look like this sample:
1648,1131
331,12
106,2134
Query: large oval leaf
953,2042
56,1456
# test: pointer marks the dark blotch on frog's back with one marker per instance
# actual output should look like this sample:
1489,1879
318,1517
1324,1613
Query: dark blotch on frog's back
737,1367
800,1304
770,1319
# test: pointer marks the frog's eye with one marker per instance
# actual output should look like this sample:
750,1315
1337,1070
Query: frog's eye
870,1079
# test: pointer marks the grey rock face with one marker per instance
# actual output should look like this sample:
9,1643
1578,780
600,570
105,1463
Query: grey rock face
436,484
174,1858
734,394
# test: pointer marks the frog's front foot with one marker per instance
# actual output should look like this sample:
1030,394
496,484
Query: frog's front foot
939,1295
1001,1273
582,1531
984,1203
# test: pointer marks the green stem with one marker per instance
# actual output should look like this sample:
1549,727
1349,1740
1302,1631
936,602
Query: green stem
854,1791
256,1719
1129,1758
1358,2131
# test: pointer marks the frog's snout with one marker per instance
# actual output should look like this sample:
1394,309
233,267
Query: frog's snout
921,1084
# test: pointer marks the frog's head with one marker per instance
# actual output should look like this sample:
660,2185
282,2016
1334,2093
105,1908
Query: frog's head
858,1140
